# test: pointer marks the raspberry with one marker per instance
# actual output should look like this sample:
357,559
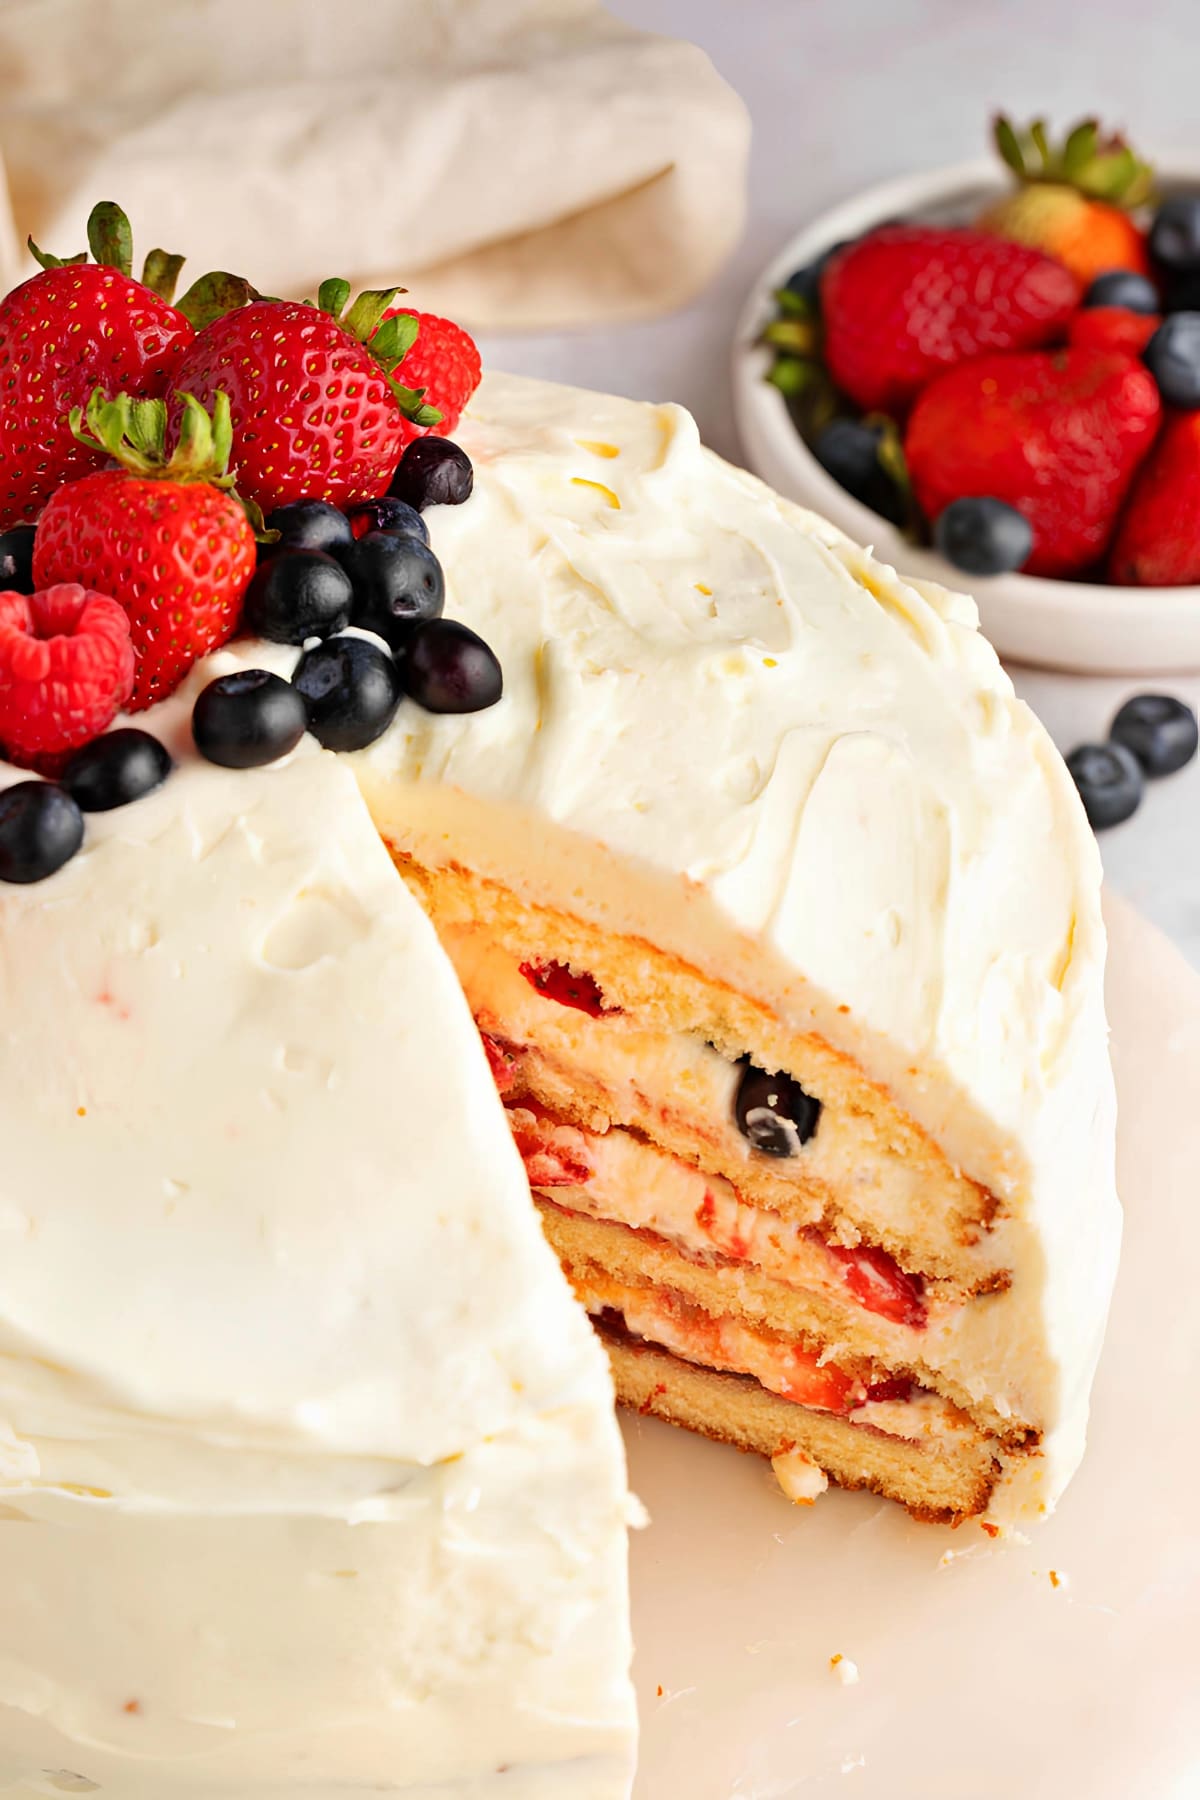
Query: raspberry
66,668
445,362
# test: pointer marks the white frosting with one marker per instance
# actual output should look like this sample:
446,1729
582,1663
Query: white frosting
309,1477
728,730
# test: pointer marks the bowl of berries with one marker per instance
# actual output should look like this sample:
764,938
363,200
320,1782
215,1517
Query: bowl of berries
991,373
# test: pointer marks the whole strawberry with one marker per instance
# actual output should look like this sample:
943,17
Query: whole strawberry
1112,328
76,326
317,411
443,363
1073,200
1057,434
165,537
1158,539
66,668
908,301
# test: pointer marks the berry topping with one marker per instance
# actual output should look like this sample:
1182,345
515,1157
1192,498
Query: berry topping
448,669
73,326
298,594
1159,730
41,828
773,1111
66,668
849,450
1175,234
306,525
247,719
1173,358
908,301
983,536
443,364
16,560
433,472
1056,434
559,982
388,514
397,582
1124,288
351,689
164,536
317,412
115,769
1109,779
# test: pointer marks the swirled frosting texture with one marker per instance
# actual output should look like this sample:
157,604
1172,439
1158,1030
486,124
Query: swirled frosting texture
309,1479
729,730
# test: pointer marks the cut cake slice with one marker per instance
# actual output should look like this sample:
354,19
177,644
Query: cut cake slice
780,918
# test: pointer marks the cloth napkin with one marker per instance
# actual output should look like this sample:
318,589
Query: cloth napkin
516,163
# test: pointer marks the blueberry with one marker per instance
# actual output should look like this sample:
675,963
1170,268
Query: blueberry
306,525
849,451
388,514
16,560
41,828
1123,287
1159,730
1181,291
397,582
1109,779
1175,233
299,594
773,1111
115,769
983,536
448,669
351,689
245,720
1173,358
433,472
805,282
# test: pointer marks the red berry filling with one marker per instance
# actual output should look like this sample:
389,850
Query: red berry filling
879,1283
554,1155
66,668
558,982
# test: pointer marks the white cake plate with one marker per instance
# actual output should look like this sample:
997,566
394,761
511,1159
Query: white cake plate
979,1678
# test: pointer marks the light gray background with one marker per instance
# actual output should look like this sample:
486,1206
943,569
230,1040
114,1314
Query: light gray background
843,93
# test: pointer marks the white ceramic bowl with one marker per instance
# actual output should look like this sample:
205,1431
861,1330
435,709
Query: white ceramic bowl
1055,624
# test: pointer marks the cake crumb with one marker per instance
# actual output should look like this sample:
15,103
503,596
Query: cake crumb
1058,1579
659,1690
802,1480
133,1706
993,1531
845,1670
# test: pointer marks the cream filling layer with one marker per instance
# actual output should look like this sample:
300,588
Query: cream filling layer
795,1374
619,1178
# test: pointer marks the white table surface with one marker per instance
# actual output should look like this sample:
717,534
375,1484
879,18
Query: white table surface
843,93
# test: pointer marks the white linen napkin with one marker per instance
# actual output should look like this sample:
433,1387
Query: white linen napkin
516,163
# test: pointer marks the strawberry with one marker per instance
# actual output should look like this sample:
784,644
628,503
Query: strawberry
78,325
1057,434
558,982
1073,202
1158,538
910,300
66,669
1112,328
166,538
443,364
317,412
